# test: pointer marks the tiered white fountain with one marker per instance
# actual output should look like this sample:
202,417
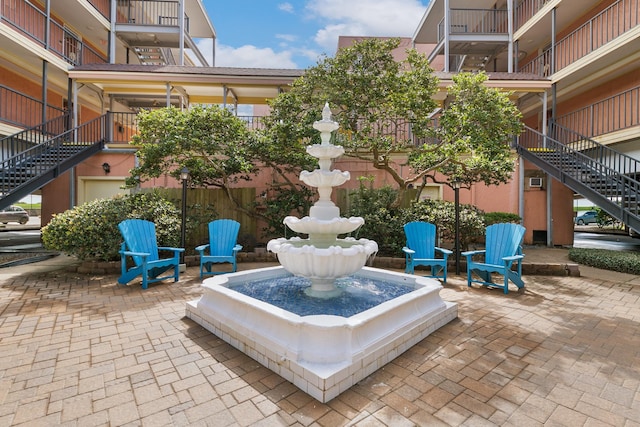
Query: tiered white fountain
323,257
322,354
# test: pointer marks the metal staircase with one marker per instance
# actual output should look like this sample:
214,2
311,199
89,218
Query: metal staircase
604,176
43,158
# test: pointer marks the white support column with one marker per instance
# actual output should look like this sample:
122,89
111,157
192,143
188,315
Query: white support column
181,29
446,36
112,33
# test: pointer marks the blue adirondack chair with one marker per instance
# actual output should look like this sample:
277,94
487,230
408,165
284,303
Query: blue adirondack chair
222,246
421,249
141,246
503,248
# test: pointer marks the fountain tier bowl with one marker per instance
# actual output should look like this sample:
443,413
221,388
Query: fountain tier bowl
323,355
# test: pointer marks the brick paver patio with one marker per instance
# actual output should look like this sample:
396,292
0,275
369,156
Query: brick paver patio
79,350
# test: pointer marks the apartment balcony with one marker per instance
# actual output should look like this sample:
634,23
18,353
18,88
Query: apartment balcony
474,38
151,27
608,121
609,36
24,23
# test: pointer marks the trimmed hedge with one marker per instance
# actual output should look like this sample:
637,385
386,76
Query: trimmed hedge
90,231
621,261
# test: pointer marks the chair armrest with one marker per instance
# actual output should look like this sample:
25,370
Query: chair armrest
140,254
513,258
470,254
236,248
166,248
408,251
202,247
443,251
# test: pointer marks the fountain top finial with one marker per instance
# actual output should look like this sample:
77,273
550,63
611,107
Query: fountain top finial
326,125
326,113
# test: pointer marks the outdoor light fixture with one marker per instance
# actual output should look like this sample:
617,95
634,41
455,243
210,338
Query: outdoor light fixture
456,189
106,167
184,177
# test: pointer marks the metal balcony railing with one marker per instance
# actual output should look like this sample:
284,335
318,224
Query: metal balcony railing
617,112
150,12
476,21
606,26
102,6
525,10
32,22
22,110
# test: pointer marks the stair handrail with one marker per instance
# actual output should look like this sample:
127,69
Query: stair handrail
620,187
86,134
610,157
35,135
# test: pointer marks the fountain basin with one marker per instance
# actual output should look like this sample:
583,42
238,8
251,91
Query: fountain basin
322,260
335,226
323,355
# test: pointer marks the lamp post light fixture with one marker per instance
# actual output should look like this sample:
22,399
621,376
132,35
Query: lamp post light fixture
184,177
456,189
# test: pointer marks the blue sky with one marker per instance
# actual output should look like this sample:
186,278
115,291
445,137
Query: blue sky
294,33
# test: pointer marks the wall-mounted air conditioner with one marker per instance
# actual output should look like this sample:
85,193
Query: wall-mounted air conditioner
535,182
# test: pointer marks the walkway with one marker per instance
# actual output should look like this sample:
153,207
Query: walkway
80,351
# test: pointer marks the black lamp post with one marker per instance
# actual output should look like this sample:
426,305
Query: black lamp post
184,177
456,189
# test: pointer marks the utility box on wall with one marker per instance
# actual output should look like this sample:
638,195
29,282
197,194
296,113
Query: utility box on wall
536,182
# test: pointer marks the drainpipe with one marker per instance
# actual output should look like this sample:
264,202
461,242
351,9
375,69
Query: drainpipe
45,73
549,179
510,24
47,30
521,188
72,187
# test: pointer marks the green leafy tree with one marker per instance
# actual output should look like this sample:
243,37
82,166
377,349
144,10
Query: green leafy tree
210,141
473,134
219,151
384,105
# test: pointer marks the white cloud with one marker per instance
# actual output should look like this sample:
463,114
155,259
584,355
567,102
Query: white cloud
364,18
253,57
286,7
287,37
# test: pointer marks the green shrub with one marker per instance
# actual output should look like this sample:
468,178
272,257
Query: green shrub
442,214
90,230
384,223
381,221
621,261
491,218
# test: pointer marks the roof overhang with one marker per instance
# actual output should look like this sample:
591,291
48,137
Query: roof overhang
204,85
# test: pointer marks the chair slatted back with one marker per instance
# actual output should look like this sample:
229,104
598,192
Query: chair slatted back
140,236
223,236
503,240
421,237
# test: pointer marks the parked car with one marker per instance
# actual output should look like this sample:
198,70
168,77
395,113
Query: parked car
14,214
587,217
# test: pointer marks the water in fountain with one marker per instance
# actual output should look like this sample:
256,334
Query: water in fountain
323,353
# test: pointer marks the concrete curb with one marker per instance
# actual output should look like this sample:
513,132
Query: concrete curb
533,269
